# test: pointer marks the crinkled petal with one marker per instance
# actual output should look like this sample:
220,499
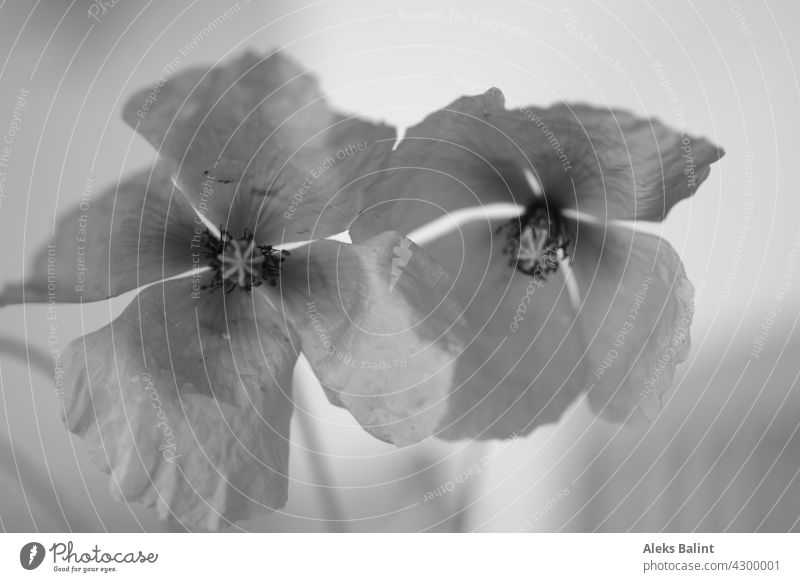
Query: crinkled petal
379,331
245,137
625,167
186,401
443,164
131,235
522,366
333,184
637,311
272,89
217,126
608,163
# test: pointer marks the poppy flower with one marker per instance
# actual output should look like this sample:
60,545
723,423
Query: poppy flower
564,298
186,397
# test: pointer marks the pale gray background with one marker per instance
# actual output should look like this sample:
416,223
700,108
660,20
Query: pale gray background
724,454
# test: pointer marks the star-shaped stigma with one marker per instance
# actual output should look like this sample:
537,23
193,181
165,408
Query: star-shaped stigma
240,262
537,241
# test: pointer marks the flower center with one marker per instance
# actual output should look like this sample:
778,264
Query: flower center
537,241
239,262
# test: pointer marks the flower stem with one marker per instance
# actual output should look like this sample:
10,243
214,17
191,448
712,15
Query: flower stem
468,497
334,520
21,463
33,356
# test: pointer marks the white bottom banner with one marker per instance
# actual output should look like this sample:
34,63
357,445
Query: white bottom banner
401,557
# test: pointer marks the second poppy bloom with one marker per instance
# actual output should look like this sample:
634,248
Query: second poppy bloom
618,323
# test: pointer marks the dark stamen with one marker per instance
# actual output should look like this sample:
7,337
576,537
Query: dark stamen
240,262
537,241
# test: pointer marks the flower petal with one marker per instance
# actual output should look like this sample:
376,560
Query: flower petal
272,89
637,311
522,367
378,330
212,123
444,163
608,163
187,402
127,237
323,188
258,129
627,166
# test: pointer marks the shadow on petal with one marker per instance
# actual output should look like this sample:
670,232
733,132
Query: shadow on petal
379,330
522,365
637,311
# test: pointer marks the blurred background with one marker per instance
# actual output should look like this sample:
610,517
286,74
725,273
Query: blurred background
725,453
